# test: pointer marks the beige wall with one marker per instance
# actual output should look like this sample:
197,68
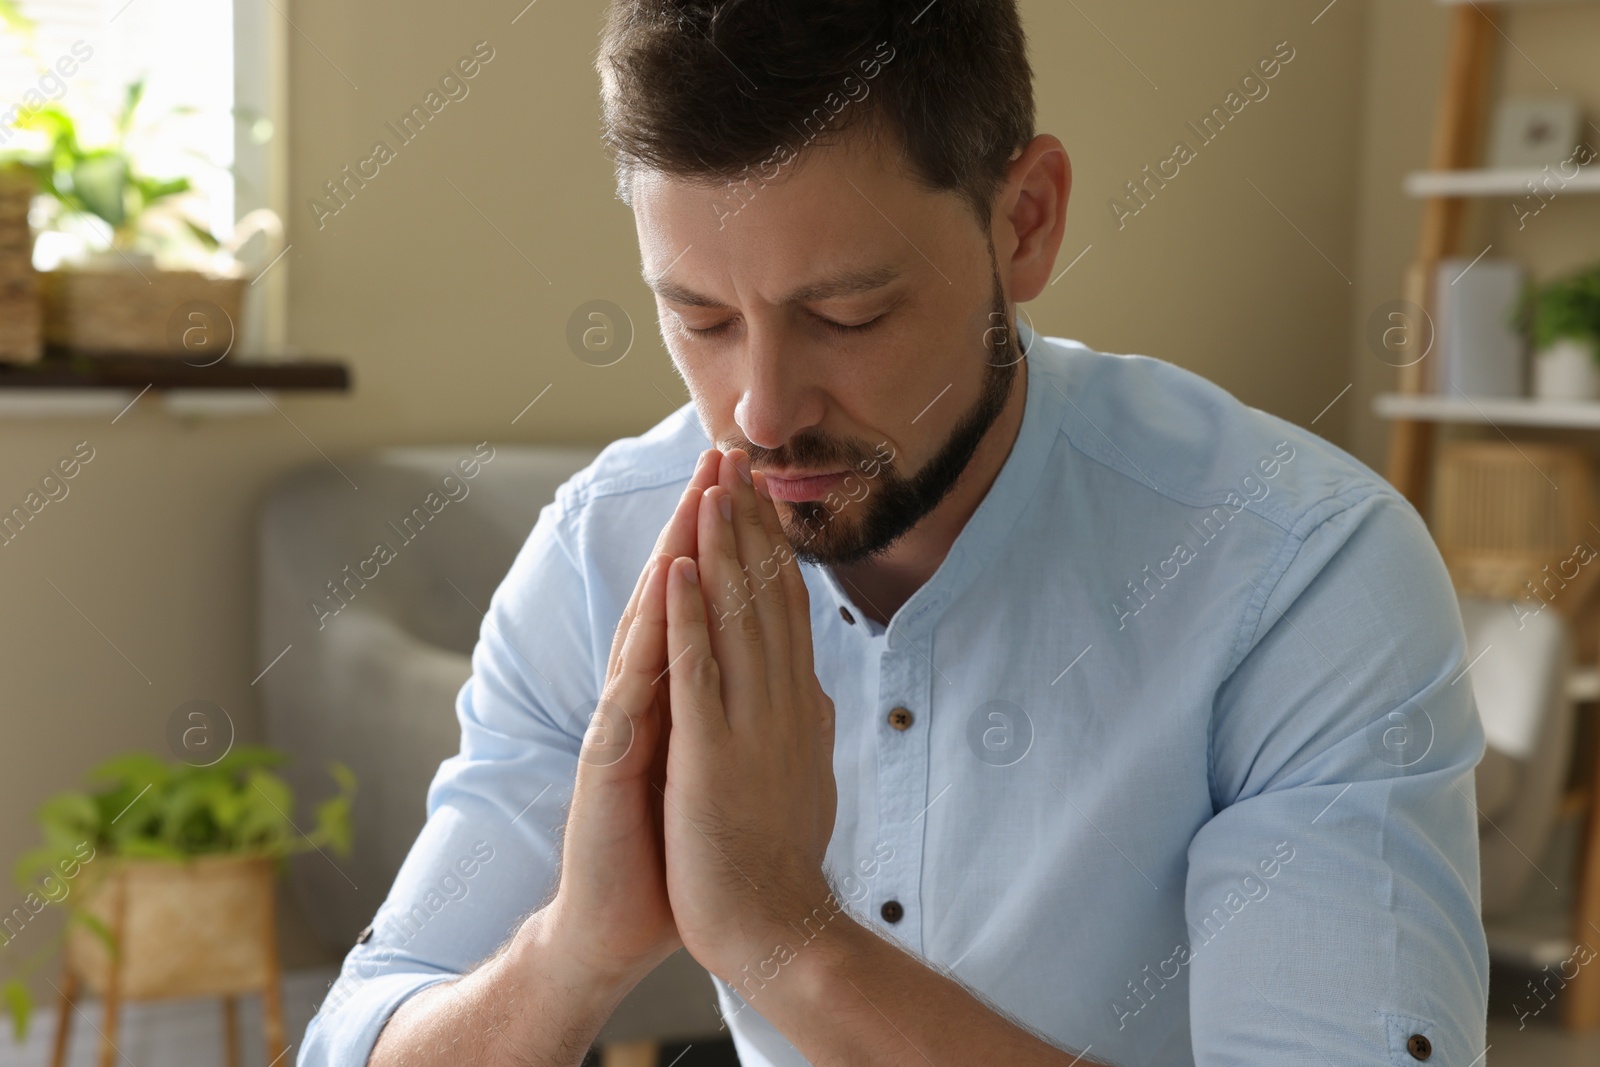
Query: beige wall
451,328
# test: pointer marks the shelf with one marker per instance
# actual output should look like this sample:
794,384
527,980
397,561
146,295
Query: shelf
1424,183
1486,410
1517,3
57,372
64,385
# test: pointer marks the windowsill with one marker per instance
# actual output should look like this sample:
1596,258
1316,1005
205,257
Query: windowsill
62,385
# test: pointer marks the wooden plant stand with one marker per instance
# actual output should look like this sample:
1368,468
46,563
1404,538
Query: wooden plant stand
205,927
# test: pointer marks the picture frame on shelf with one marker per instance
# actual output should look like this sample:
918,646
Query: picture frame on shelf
1533,132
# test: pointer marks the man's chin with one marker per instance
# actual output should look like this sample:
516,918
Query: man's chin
819,536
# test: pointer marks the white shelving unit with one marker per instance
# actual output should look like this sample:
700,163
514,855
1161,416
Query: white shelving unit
1489,410
1425,183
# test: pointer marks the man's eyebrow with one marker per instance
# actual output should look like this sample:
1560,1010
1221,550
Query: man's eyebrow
845,283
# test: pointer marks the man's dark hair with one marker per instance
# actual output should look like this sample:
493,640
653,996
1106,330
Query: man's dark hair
730,91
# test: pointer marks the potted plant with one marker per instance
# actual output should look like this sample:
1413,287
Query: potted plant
166,873
1563,316
147,260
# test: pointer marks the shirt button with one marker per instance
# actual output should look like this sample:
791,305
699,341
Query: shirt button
364,936
900,719
844,613
1419,1047
892,911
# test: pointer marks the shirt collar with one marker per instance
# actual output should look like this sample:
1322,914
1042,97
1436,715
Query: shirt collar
989,527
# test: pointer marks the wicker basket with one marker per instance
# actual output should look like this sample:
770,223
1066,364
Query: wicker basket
1505,516
19,287
198,928
148,312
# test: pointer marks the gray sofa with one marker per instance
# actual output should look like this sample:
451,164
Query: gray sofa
372,675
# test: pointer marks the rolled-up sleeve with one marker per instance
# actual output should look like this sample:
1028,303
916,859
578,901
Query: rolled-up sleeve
1333,898
488,854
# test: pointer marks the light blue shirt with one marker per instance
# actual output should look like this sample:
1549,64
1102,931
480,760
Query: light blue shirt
1187,775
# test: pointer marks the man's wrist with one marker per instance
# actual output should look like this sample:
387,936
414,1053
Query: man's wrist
537,954
825,962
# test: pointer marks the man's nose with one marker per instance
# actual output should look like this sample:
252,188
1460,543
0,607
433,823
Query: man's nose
777,397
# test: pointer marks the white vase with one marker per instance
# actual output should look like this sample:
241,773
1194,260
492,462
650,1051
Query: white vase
1566,370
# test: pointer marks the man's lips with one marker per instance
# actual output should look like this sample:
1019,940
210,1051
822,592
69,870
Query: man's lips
810,487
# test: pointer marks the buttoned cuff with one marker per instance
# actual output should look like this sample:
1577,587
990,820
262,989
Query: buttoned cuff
347,1025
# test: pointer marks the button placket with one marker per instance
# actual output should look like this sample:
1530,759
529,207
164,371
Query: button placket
904,681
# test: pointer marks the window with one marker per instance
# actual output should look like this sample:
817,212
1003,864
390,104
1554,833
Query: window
212,110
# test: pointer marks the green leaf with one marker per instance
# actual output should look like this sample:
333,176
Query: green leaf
333,824
68,818
145,848
39,862
12,16
343,775
102,184
138,769
243,757
206,238
17,1001
151,190
129,106
265,822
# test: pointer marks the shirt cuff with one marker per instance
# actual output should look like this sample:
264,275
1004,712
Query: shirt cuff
347,1024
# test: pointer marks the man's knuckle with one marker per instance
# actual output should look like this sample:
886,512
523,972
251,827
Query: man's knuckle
704,671
749,626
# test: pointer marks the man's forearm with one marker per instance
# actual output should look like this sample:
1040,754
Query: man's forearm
854,998
523,1007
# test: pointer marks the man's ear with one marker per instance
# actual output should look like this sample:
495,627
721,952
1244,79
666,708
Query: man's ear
1031,214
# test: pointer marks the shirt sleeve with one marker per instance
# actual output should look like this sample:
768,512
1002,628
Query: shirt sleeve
487,856
1333,899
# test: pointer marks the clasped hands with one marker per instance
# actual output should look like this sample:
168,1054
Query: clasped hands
705,795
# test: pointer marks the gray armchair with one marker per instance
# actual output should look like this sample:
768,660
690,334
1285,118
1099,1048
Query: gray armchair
375,665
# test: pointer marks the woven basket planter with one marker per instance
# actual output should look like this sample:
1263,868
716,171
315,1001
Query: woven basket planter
198,928
144,312
20,321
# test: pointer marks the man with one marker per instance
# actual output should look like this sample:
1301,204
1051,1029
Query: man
977,697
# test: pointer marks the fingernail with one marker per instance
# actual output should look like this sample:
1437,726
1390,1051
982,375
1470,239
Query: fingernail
761,485
725,505
741,463
691,572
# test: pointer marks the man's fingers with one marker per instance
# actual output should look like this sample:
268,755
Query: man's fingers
759,560
631,691
797,598
695,677
677,538
733,622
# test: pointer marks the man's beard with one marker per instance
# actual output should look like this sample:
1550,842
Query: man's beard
875,505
